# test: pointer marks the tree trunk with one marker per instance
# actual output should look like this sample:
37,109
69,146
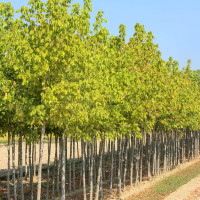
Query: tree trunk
66,158
103,162
119,168
115,160
141,157
74,163
59,164
154,153
84,184
49,153
94,168
101,177
70,165
13,162
137,161
54,167
192,136
21,173
34,157
158,158
91,173
63,166
109,158
26,170
165,155
40,162
18,166
8,174
125,168
149,155
111,176
99,171
30,172
132,157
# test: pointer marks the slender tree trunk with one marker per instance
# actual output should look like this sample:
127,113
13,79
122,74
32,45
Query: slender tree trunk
174,150
54,167
109,158
13,162
189,134
34,158
119,168
74,163
26,168
101,177
132,157
30,172
122,154
84,184
63,166
176,156
8,174
59,164
158,155
168,152
99,170
198,143
125,168
89,161
149,155
171,152
192,136
94,168
165,155
66,159
70,165
137,161
40,162
182,152
91,173
103,162
18,166
141,158
81,171
154,154
111,176
49,153
78,171
115,160
145,148
21,173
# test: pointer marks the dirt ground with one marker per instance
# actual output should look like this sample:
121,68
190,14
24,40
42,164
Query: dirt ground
189,191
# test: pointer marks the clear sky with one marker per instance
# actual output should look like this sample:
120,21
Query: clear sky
174,23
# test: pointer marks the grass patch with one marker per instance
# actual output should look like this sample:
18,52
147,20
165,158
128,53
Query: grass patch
4,139
165,187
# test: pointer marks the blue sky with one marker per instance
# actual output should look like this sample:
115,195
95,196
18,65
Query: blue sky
174,23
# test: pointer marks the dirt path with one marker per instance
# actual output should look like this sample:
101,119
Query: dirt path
190,189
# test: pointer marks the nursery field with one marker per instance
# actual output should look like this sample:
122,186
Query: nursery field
86,115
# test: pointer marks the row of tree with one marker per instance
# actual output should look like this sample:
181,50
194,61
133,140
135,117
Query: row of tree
59,77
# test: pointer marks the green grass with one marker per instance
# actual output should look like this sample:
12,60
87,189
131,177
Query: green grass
165,187
5,139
